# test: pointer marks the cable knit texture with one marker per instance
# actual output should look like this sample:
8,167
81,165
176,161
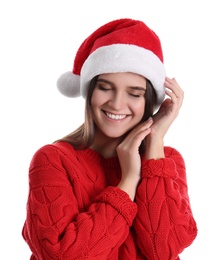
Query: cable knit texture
76,211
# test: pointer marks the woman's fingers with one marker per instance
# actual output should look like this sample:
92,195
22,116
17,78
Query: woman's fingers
175,93
169,109
135,137
173,90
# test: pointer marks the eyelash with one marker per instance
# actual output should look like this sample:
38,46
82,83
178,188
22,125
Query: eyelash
103,88
136,96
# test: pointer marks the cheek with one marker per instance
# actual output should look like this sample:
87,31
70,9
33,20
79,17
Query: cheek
95,100
98,98
139,108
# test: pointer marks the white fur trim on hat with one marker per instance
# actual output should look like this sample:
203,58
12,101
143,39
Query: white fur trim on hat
124,58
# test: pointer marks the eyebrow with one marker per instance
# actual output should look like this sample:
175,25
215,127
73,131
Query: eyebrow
132,87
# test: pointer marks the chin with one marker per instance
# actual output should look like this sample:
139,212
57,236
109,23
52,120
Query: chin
116,135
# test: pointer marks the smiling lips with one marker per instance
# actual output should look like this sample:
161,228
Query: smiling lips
115,117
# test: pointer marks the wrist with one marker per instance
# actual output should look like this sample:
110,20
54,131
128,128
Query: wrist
129,185
154,148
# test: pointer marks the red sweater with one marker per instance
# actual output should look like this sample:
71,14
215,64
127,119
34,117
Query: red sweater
75,210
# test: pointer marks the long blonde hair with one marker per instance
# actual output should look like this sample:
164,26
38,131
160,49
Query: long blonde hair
83,136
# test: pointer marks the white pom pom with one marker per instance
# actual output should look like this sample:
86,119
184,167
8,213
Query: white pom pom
69,84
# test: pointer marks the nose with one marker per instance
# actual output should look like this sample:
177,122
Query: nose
117,101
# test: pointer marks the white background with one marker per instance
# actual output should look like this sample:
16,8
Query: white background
38,42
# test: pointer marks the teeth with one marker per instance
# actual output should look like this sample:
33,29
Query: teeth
116,117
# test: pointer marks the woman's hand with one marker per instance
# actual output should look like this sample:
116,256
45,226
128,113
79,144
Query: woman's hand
163,119
169,108
129,157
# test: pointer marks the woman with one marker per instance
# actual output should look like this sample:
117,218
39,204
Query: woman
111,189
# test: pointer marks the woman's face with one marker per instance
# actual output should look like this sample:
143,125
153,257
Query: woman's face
118,102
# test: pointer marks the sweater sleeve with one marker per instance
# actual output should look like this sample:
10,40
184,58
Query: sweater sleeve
57,226
164,223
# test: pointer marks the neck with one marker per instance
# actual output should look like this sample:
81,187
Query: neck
105,145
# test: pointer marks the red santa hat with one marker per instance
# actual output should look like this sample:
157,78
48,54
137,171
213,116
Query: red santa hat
123,45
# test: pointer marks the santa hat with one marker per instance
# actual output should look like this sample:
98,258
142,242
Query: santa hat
123,45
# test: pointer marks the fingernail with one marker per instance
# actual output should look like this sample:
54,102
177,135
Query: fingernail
149,119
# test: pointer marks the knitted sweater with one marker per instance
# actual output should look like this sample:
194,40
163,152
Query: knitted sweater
76,211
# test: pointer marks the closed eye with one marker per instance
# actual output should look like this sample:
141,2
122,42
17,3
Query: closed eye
103,86
137,92
134,95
